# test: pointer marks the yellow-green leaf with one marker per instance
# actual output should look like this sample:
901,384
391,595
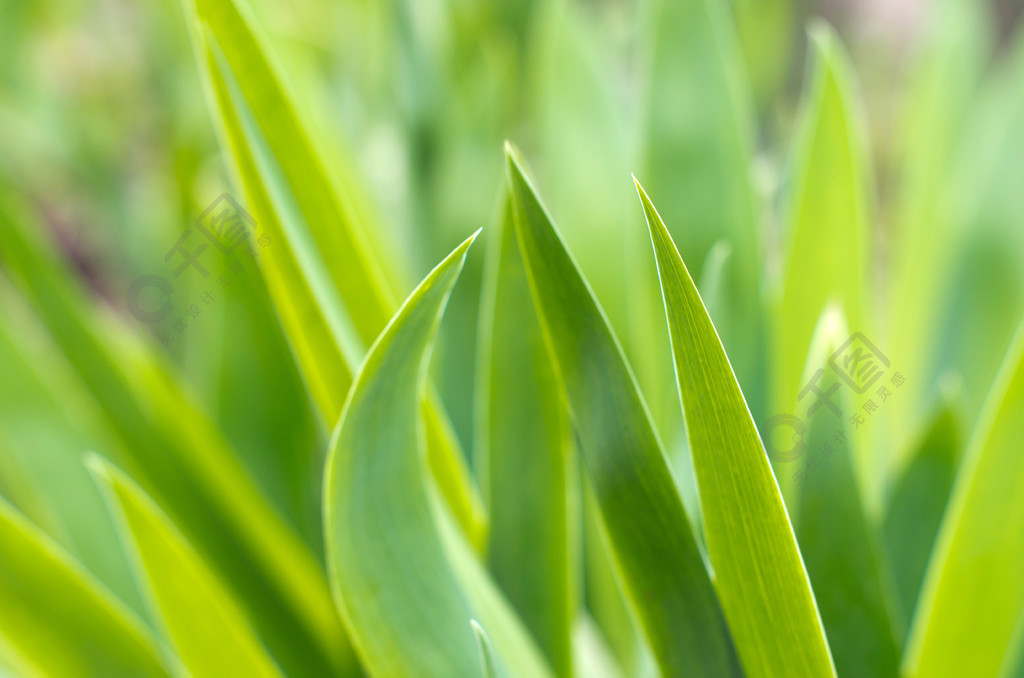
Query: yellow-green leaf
973,594
524,454
486,651
200,618
329,290
176,452
917,502
403,578
57,619
660,564
841,545
759,574
699,145
825,228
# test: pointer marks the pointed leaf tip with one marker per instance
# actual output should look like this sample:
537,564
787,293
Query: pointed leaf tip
749,538
490,668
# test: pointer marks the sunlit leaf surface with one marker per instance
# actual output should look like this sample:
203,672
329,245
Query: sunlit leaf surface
667,585
760,577
525,455
973,591
58,620
403,579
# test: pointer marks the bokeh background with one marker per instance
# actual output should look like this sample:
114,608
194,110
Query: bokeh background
105,136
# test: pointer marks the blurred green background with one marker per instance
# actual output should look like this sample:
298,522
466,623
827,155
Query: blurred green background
106,138
104,128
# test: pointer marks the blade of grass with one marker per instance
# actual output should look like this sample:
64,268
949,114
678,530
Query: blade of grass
173,448
328,288
699,144
917,502
47,418
973,591
660,565
490,667
841,546
524,454
712,282
592,656
58,620
759,574
985,249
826,223
198,615
605,598
944,79
404,580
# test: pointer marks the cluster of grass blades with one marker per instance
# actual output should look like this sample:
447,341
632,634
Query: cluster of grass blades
590,534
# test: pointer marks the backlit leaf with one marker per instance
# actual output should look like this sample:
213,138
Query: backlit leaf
202,621
841,545
973,592
917,502
657,557
329,290
759,574
176,452
825,226
524,454
57,619
403,578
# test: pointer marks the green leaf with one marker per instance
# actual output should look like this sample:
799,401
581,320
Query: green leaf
917,502
404,580
944,78
58,620
759,575
765,32
175,451
199,616
524,454
486,651
47,418
592,656
657,557
605,598
712,286
826,225
982,248
699,144
329,290
841,545
973,592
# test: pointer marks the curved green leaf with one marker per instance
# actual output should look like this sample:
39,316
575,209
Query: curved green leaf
176,452
973,594
524,454
759,574
404,580
200,618
654,548
57,619
329,290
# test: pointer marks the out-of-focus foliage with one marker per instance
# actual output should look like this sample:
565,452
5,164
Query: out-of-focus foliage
622,460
